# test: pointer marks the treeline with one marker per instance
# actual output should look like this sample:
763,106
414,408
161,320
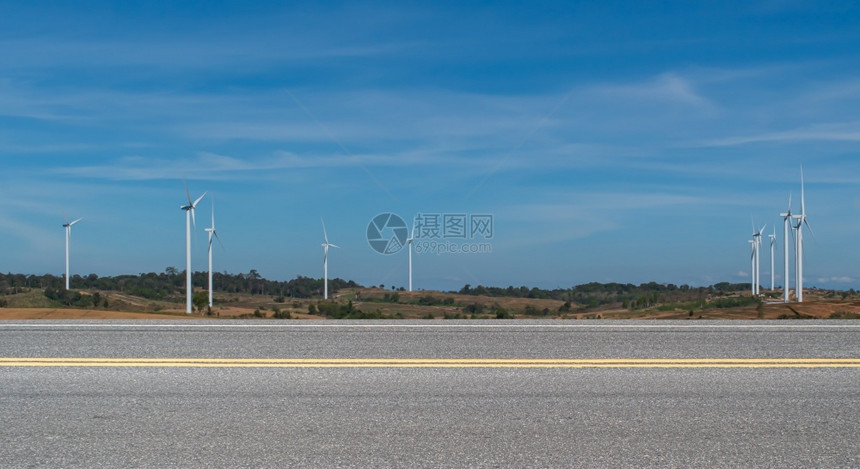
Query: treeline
596,294
170,284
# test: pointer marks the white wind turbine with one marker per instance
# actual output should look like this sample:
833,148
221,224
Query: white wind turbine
68,227
752,266
189,220
212,232
786,217
801,220
772,237
757,256
325,246
409,241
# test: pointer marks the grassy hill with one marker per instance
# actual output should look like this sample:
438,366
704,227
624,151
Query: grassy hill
377,303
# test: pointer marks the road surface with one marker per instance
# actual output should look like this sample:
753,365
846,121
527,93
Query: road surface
430,394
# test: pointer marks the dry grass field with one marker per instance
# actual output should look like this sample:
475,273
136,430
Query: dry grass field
379,303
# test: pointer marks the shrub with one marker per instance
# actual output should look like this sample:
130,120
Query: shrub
282,315
837,315
533,311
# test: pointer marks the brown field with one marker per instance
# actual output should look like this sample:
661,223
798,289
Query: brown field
74,313
32,305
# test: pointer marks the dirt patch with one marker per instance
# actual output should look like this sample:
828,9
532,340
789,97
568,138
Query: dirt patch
409,307
11,314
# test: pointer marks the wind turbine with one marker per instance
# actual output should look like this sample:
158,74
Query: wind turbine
801,220
786,217
772,237
409,241
757,255
212,232
752,266
325,246
189,220
68,227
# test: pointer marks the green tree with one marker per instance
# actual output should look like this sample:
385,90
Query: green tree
200,299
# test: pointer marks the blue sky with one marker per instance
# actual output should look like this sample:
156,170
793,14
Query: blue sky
611,141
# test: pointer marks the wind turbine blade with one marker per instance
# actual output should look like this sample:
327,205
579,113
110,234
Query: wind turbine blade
65,218
187,192
325,235
194,205
802,201
810,228
334,246
193,221
79,219
219,239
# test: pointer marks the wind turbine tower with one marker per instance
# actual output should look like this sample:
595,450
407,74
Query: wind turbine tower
786,217
325,246
757,258
212,233
68,227
189,220
409,241
752,266
772,237
801,220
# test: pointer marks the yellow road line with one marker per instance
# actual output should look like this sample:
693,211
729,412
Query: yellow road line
434,363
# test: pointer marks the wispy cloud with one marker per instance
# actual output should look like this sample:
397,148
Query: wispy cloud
212,166
37,237
573,205
846,131
667,87
212,52
580,215
835,280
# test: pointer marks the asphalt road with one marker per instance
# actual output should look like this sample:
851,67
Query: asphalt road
691,416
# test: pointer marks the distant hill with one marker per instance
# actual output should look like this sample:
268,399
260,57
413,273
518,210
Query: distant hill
170,284
250,295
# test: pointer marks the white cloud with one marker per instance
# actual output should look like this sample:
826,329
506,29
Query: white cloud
848,131
835,279
36,237
668,87
213,166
